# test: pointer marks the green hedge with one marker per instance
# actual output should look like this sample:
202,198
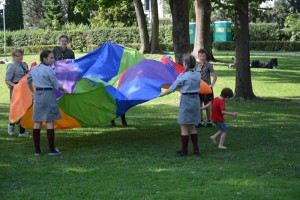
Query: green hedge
263,32
28,49
81,39
260,46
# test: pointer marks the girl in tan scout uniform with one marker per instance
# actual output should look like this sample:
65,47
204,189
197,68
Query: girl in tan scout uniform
16,70
45,107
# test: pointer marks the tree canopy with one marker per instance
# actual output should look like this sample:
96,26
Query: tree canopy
13,15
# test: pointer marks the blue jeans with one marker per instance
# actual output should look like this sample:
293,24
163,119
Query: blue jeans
222,126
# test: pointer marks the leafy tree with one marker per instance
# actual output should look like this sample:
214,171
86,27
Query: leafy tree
292,24
53,14
295,6
192,13
14,15
218,14
243,83
120,15
74,14
281,9
277,14
84,8
33,13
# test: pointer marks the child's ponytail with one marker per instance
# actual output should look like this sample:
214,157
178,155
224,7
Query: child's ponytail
189,62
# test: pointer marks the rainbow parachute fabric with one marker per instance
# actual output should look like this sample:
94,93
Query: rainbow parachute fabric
103,84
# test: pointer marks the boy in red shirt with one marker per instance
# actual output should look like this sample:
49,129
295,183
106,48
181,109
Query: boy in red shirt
218,112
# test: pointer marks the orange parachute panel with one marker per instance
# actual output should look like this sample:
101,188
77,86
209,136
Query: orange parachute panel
21,100
66,122
204,88
21,108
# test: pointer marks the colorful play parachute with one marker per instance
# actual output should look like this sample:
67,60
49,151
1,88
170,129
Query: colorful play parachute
103,84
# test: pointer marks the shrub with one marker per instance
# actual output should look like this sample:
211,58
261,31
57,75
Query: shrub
224,46
263,31
28,49
292,24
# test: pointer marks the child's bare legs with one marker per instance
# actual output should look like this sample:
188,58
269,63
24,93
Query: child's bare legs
192,129
201,116
201,111
208,115
208,112
214,137
222,139
37,125
50,125
222,132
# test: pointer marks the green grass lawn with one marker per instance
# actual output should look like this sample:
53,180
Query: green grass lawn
139,162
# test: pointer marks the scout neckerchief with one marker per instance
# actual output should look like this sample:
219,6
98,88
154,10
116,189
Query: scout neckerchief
63,53
24,68
201,66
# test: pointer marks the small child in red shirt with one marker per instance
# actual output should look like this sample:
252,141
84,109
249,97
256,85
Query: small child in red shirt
218,112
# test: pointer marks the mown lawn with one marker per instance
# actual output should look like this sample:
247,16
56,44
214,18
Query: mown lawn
139,162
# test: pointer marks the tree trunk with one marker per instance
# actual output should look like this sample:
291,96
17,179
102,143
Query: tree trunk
142,23
243,84
154,26
203,33
180,18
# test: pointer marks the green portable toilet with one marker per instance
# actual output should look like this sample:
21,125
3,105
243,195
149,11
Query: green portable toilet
222,31
192,29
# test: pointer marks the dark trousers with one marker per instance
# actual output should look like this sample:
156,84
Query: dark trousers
22,130
273,63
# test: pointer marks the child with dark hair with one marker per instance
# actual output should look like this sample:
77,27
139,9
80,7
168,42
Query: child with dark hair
207,70
218,112
188,83
45,107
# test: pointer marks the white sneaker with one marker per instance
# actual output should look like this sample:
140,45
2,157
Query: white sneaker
10,129
24,135
55,153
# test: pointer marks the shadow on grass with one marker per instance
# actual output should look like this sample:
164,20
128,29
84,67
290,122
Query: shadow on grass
262,141
4,109
266,75
155,127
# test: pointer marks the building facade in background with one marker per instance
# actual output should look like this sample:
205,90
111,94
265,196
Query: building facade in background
162,14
